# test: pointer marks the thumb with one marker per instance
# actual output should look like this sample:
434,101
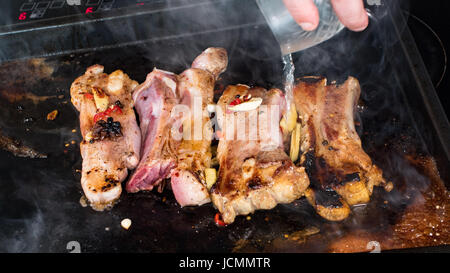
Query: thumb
351,13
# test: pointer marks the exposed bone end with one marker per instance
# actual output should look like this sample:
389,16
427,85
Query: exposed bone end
95,69
197,83
213,59
98,190
187,189
100,201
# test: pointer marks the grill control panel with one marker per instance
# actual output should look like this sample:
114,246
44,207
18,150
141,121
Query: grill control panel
16,11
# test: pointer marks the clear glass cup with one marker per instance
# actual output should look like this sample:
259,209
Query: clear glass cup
289,34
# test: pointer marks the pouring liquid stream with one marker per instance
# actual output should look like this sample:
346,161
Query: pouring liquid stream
288,81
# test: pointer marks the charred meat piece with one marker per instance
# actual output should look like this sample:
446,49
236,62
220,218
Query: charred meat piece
111,136
255,172
17,148
320,194
328,204
154,100
196,88
330,147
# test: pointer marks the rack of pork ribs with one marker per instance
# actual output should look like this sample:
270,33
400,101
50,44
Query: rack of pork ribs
253,173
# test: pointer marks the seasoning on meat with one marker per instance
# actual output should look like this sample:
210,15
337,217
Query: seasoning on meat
255,173
112,109
101,98
109,129
111,136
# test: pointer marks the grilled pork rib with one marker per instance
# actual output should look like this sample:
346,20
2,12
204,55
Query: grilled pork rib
111,142
154,100
255,172
340,172
162,148
196,88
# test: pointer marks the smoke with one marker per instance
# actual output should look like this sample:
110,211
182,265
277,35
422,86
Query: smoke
342,55
24,239
40,210
22,218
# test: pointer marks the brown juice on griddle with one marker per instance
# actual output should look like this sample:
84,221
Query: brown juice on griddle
414,214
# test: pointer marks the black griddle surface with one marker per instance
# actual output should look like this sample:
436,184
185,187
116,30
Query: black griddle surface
41,211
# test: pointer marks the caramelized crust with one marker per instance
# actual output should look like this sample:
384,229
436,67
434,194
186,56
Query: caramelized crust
330,147
255,173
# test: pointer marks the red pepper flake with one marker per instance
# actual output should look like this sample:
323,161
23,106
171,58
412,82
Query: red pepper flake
219,221
107,113
116,108
235,102
89,96
99,116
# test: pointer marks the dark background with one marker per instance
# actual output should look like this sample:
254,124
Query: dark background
435,14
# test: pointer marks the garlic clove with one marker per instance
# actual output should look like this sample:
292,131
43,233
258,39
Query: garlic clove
249,105
126,223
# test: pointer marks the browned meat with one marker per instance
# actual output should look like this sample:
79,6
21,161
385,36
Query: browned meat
165,153
255,173
341,173
154,101
17,148
196,88
111,137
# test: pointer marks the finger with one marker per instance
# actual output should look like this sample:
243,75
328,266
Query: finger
351,13
304,12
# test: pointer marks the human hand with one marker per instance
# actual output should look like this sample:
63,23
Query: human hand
351,13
